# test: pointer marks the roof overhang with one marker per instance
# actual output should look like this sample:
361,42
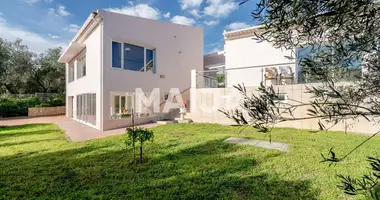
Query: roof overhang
243,33
77,44
71,51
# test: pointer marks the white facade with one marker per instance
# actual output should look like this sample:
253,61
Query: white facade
246,58
175,49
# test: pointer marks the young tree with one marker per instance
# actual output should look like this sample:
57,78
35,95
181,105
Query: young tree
138,135
340,34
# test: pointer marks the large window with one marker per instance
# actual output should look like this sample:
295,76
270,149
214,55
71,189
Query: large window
132,57
71,72
86,108
81,66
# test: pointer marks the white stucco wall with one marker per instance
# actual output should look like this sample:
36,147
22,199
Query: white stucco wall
91,82
208,101
178,50
247,52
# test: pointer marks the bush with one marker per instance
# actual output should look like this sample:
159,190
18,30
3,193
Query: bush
57,101
14,107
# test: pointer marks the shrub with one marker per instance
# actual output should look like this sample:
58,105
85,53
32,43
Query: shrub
139,135
53,102
12,107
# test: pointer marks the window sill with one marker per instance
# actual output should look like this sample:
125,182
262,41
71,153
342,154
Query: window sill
127,70
80,77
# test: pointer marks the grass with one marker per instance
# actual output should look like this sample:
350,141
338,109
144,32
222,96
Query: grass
184,162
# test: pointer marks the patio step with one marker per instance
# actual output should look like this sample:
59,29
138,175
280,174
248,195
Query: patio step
166,122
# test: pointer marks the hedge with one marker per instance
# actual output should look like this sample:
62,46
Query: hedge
13,107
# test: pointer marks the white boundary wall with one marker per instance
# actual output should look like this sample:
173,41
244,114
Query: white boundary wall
207,101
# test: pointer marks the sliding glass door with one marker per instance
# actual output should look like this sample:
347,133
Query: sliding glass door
86,108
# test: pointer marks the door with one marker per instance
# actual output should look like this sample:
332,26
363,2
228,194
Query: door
70,107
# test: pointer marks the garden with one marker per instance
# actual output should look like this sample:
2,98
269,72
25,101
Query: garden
181,161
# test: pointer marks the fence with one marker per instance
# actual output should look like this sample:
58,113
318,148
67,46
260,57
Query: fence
269,74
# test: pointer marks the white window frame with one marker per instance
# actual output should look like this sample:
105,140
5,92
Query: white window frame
122,55
71,66
80,59
121,94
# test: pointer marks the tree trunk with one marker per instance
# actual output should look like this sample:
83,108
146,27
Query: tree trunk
134,152
141,152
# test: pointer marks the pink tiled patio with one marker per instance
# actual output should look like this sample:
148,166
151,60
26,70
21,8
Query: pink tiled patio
74,130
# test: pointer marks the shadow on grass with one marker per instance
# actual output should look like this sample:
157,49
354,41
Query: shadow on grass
20,131
26,142
202,171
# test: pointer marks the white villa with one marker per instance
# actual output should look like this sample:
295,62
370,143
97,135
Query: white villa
113,54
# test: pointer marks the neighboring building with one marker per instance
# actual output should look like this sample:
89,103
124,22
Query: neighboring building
251,62
113,54
213,64
214,61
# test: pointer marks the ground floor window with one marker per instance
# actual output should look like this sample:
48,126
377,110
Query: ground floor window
122,105
86,108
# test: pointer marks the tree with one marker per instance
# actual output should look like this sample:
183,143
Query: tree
16,61
138,135
25,72
49,73
341,34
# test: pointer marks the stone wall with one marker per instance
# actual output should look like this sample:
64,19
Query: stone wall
46,111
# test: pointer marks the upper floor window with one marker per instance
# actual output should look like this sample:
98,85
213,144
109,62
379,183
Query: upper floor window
71,72
81,66
132,57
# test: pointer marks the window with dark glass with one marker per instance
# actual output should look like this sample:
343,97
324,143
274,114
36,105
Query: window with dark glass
149,57
133,57
116,54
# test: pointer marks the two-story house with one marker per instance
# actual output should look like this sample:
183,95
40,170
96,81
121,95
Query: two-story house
113,54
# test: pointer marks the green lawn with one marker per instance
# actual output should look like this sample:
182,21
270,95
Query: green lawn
184,162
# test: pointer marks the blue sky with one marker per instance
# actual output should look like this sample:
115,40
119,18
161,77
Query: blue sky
44,24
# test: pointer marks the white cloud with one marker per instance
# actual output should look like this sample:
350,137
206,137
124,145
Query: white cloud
195,13
139,10
60,11
211,23
35,42
220,8
54,36
2,20
73,28
167,15
183,20
217,49
186,4
237,25
30,2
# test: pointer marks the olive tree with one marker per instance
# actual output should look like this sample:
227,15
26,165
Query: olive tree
341,35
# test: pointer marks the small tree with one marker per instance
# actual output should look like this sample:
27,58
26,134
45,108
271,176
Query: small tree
140,135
